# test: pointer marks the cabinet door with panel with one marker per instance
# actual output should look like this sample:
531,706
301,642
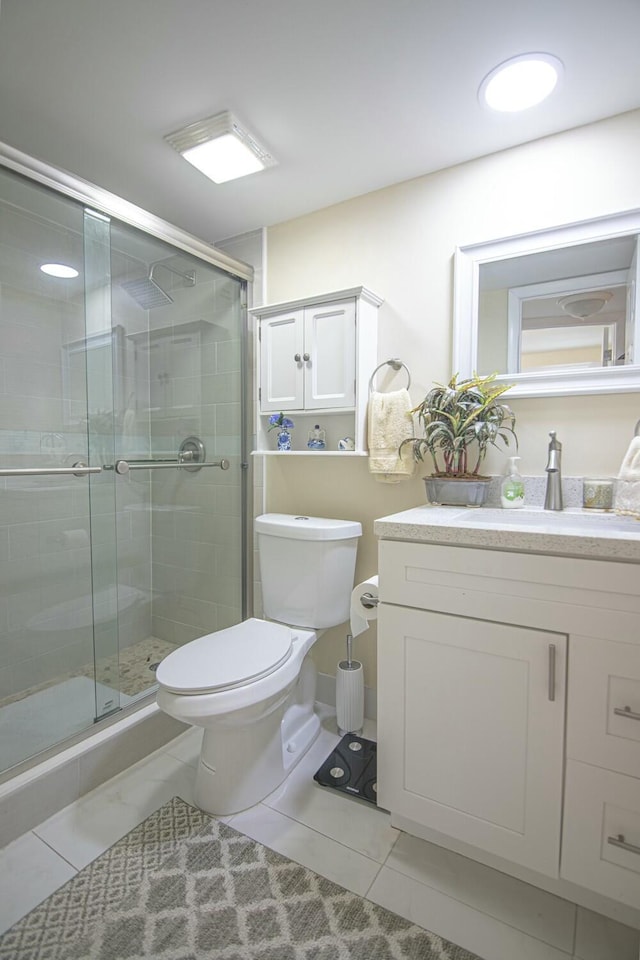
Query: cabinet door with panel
281,363
308,358
471,722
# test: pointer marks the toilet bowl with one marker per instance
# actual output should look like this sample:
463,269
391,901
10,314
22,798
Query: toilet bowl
252,686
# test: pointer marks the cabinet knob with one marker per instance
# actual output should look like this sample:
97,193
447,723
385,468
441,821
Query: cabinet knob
306,356
297,358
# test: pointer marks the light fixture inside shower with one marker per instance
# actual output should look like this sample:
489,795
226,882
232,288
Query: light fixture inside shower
220,148
61,270
148,293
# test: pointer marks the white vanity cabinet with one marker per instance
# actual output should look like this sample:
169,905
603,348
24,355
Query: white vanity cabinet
315,358
488,661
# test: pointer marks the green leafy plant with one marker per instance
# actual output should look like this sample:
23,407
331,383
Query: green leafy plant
462,415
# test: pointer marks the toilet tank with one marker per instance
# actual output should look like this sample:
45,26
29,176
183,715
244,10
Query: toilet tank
306,566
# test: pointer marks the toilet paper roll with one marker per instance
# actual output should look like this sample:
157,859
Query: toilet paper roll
361,615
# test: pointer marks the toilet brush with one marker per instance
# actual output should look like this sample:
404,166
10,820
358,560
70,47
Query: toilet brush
349,693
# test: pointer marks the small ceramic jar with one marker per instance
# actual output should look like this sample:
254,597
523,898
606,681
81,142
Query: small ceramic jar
597,494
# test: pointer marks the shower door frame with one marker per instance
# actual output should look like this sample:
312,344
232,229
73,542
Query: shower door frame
104,202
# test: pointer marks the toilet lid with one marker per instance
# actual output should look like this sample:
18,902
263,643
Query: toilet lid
225,659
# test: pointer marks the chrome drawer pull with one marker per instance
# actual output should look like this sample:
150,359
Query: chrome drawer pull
620,841
626,712
552,672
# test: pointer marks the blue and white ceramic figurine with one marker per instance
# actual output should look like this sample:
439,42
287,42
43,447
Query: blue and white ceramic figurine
278,421
284,440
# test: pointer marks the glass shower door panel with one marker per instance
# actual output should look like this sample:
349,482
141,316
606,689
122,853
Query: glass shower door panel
47,690
183,321
102,347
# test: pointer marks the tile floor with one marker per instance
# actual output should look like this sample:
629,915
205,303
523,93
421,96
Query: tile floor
346,840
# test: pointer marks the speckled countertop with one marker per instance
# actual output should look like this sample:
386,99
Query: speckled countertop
571,532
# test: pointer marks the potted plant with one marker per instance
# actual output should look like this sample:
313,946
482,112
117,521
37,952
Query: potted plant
459,422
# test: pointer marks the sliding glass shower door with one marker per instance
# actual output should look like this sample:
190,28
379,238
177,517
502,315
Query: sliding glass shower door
47,296
121,451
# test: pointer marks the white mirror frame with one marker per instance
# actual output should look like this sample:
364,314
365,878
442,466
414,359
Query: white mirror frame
564,381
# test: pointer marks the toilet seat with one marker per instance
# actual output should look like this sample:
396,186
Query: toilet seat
226,659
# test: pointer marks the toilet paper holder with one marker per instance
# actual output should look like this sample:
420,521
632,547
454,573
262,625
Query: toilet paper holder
368,601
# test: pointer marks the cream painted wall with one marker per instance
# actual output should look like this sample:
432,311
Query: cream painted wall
400,242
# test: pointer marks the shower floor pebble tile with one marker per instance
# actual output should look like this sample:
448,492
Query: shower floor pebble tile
341,838
129,672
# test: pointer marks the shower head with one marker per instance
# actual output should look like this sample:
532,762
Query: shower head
148,293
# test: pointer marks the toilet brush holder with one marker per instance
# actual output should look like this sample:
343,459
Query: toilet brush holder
349,694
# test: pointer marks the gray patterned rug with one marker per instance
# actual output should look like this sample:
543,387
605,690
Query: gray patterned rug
183,886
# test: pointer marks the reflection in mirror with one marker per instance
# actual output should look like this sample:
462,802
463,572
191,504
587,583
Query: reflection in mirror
554,312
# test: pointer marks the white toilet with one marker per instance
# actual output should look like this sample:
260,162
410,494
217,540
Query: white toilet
252,686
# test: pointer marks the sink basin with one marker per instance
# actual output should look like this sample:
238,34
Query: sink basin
574,522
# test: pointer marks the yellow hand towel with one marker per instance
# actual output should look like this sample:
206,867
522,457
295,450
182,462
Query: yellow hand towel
389,423
627,498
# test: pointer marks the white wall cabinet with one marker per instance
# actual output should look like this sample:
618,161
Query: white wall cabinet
315,359
307,358
481,653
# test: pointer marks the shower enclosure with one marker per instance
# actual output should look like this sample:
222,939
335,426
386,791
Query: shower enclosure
122,452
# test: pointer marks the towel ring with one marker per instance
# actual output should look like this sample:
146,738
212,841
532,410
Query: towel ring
397,365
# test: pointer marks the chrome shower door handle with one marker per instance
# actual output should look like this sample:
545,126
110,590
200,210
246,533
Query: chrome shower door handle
79,469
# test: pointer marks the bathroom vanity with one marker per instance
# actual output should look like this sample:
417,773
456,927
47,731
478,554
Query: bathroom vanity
509,693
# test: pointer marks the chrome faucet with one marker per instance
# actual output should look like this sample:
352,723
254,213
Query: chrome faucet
553,496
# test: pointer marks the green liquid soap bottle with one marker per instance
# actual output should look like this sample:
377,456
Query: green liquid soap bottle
512,489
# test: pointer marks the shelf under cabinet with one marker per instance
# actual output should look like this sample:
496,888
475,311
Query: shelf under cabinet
343,454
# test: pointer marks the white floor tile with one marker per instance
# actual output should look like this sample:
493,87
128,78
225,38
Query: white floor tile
354,823
469,928
186,747
598,938
29,872
533,911
86,828
313,850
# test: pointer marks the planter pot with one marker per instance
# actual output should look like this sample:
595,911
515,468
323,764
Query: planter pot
457,491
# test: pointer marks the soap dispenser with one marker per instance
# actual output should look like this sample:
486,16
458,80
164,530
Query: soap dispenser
512,488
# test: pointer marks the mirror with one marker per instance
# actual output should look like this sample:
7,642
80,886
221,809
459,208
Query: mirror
555,312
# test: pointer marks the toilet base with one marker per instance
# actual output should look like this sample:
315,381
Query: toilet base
242,761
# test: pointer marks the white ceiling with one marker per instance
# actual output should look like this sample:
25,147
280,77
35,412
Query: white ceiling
349,95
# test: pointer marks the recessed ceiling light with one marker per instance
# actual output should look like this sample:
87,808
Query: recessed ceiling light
521,82
59,270
220,148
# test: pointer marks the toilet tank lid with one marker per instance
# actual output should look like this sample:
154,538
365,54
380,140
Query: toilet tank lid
306,528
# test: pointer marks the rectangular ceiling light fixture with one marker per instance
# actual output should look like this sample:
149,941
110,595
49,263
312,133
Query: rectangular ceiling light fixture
220,148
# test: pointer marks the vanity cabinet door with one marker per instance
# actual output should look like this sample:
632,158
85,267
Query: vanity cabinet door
470,725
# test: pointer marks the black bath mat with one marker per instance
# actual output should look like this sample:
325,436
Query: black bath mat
351,768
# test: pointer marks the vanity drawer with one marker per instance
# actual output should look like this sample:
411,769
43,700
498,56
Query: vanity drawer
603,725
601,832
